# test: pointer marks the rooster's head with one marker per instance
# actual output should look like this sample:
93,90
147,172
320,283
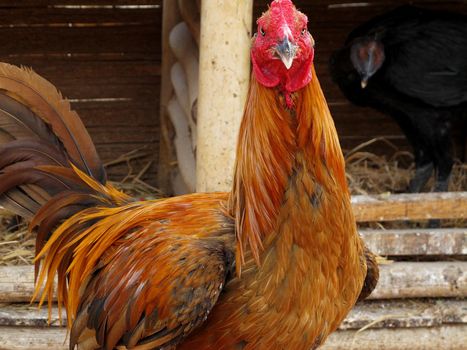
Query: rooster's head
282,51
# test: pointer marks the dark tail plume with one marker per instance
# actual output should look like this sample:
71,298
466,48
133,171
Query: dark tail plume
38,129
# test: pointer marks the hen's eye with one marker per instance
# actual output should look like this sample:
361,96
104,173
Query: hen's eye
261,30
304,31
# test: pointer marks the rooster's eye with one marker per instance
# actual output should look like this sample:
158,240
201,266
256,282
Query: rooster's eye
261,30
303,31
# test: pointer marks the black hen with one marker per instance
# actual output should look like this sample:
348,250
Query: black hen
411,63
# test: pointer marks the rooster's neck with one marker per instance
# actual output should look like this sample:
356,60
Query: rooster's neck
275,144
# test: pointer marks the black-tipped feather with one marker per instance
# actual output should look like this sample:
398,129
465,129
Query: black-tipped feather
20,121
40,137
44,101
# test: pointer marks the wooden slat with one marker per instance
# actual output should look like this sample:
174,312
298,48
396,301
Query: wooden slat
16,283
420,206
75,40
449,241
408,313
411,313
447,337
33,338
421,280
397,280
54,3
85,17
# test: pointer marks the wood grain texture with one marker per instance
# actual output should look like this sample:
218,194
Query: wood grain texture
104,57
397,280
410,313
421,206
422,280
445,337
416,241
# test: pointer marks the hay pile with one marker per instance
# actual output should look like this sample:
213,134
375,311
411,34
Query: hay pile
367,173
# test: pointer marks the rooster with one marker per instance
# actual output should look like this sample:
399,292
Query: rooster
275,264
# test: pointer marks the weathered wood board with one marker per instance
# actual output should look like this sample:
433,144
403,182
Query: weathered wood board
420,206
397,280
410,313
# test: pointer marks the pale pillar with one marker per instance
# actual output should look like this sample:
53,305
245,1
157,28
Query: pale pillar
223,85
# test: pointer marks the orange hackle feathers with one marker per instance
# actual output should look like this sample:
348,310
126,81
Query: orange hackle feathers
262,168
268,140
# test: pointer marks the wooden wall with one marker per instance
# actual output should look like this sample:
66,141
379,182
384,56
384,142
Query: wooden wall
104,56
330,22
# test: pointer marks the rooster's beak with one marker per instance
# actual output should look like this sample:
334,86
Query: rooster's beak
286,51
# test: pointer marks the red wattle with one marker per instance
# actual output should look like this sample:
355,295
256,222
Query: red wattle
271,73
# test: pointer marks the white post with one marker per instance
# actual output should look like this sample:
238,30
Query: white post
223,85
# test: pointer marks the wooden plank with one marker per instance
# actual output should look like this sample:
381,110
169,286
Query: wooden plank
421,280
407,313
61,72
85,17
397,280
16,283
123,134
447,337
61,3
33,338
29,315
75,40
449,241
412,313
116,114
420,206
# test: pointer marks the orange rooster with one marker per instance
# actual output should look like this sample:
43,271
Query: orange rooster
275,264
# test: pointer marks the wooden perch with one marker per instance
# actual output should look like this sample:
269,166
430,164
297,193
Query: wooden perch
16,283
439,338
419,206
446,241
407,313
412,313
33,338
185,155
187,53
397,280
421,280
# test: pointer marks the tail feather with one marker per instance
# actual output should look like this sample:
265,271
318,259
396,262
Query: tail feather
46,106
50,173
20,122
38,130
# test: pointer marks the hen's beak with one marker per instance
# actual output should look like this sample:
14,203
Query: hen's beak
286,51
364,83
